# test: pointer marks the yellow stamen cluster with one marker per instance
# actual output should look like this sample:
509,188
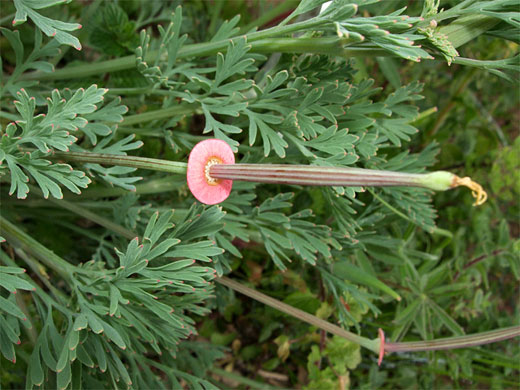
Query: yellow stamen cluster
211,161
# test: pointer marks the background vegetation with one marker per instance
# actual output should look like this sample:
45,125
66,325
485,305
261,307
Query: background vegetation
92,320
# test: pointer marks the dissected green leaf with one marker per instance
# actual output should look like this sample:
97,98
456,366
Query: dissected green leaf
51,27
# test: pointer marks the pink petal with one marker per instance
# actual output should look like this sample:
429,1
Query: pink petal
381,347
200,155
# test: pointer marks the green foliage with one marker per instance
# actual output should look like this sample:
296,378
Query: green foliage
119,284
11,315
51,27
505,173
142,292
342,356
28,142
33,62
112,32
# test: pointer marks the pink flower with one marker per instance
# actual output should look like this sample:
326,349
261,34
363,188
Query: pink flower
205,188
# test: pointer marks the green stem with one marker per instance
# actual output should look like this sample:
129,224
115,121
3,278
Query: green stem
490,380
145,131
133,91
20,239
452,12
455,342
459,32
83,212
373,345
467,28
39,291
425,114
329,45
291,174
274,173
486,115
482,64
124,161
36,268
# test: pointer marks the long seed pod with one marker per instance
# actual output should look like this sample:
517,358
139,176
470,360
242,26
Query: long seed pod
339,176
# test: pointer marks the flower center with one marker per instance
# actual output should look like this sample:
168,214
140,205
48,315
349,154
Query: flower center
211,161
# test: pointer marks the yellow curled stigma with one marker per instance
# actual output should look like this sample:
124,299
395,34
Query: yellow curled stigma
476,189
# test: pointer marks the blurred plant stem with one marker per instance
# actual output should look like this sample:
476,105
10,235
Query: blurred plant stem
445,111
